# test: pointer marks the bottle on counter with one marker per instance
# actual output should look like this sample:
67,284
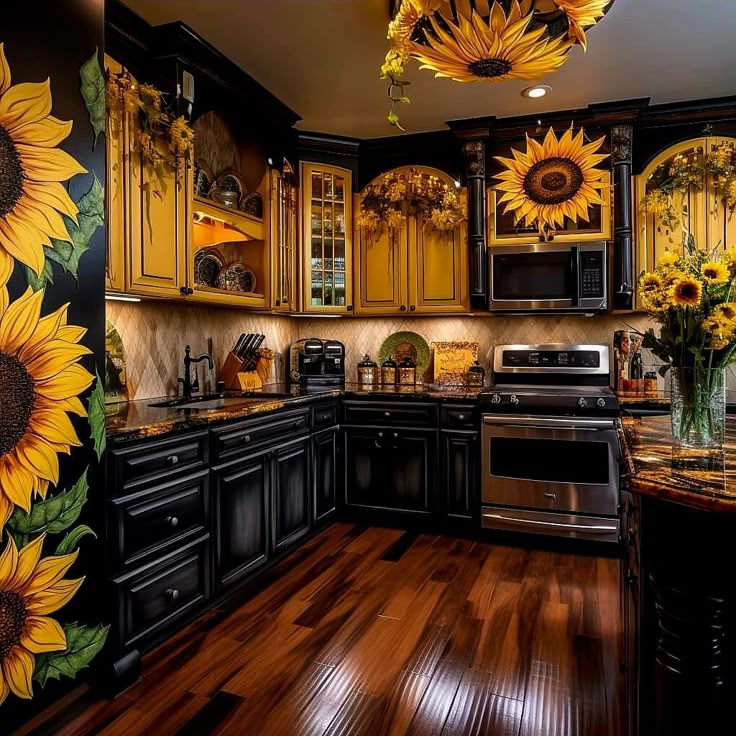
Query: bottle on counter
407,372
476,375
650,384
367,371
389,371
636,373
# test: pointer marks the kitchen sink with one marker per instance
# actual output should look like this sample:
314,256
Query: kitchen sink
218,401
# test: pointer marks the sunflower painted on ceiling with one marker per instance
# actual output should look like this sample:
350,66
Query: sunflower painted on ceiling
553,180
40,382
485,40
32,169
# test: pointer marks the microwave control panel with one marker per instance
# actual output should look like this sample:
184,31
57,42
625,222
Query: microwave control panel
591,275
551,359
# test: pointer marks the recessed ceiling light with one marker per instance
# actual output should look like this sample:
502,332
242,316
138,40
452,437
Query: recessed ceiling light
538,90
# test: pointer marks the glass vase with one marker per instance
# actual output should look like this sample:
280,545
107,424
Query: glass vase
698,407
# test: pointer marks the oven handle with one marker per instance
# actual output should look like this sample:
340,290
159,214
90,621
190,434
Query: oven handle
584,528
550,422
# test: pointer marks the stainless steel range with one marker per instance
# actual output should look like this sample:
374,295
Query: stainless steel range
550,447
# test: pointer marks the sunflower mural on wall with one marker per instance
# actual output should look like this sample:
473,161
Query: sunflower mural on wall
46,408
552,180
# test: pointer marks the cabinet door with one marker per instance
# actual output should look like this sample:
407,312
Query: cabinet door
382,271
241,512
324,473
291,512
392,469
438,265
460,494
327,239
116,137
159,223
283,242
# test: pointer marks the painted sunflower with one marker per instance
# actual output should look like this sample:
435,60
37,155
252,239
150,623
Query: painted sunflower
686,292
32,199
40,380
553,180
714,273
30,589
582,14
501,48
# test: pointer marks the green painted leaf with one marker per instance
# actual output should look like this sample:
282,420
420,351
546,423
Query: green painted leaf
93,93
38,282
91,216
53,515
83,643
96,412
73,538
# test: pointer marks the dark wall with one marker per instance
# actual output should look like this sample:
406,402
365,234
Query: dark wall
48,39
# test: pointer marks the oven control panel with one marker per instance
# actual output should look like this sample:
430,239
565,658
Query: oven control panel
551,359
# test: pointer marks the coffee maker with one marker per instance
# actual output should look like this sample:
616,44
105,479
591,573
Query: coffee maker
316,363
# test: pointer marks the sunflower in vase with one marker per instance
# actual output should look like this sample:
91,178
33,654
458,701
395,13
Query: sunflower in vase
692,295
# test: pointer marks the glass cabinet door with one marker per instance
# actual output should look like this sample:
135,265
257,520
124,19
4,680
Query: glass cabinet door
327,238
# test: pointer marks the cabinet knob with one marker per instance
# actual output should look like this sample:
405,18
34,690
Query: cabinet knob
172,459
461,417
387,414
396,435
550,495
246,439
278,302
172,521
299,423
172,594
380,434
403,308
349,308
412,308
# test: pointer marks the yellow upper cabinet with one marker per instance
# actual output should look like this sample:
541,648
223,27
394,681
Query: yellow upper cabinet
502,230
283,239
411,267
327,219
696,209
116,137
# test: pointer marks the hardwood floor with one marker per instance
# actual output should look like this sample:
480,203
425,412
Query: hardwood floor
368,631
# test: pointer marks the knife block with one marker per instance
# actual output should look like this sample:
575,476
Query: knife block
229,371
234,367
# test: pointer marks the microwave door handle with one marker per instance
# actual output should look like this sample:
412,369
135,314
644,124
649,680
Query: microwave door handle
575,275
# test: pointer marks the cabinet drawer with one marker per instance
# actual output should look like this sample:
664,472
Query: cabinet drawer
146,522
404,414
460,416
154,597
235,439
153,460
324,416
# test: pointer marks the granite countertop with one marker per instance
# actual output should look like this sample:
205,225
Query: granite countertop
135,420
655,469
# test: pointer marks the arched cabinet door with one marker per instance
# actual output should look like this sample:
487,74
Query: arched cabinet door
697,209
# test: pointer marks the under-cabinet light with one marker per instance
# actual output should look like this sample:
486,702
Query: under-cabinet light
121,298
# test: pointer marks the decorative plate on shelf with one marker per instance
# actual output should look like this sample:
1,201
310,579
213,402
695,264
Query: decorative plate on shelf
228,189
452,360
208,263
237,277
252,204
203,178
401,344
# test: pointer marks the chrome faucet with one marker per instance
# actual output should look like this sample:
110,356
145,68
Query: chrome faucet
188,360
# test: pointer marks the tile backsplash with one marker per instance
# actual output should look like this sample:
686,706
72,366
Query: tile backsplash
155,333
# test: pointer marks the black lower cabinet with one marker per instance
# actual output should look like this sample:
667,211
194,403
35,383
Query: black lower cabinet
460,476
325,474
241,518
391,469
291,513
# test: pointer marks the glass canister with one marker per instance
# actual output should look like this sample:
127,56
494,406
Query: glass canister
367,371
476,375
407,372
389,372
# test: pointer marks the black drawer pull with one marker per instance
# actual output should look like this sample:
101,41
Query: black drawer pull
245,439
172,521
298,423
550,495
380,434
172,459
387,414
172,594
461,417
396,435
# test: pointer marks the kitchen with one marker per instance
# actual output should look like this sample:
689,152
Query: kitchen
332,396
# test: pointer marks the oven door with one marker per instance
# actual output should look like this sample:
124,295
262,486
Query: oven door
533,277
553,464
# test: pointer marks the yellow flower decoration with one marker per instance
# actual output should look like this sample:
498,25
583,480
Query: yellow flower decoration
686,292
582,14
727,310
501,48
181,137
30,589
553,180
668,259
714,273
650,282
40,381
32,198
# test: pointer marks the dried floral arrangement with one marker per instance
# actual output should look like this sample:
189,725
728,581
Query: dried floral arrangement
692,169
388,201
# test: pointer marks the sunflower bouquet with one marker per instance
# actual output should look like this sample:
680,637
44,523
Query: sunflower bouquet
691,295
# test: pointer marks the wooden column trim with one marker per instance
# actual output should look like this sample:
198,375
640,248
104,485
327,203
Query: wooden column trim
474,152
623,244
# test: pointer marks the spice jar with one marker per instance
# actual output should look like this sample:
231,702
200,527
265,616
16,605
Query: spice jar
476,375
407,372
367,371
389,371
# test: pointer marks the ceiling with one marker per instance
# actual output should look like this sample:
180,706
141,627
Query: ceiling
321,57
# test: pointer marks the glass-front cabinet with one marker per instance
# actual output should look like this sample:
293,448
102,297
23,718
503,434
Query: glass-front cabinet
284,204
327,221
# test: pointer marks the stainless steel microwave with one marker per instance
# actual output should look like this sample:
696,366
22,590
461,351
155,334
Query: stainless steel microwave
554,277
